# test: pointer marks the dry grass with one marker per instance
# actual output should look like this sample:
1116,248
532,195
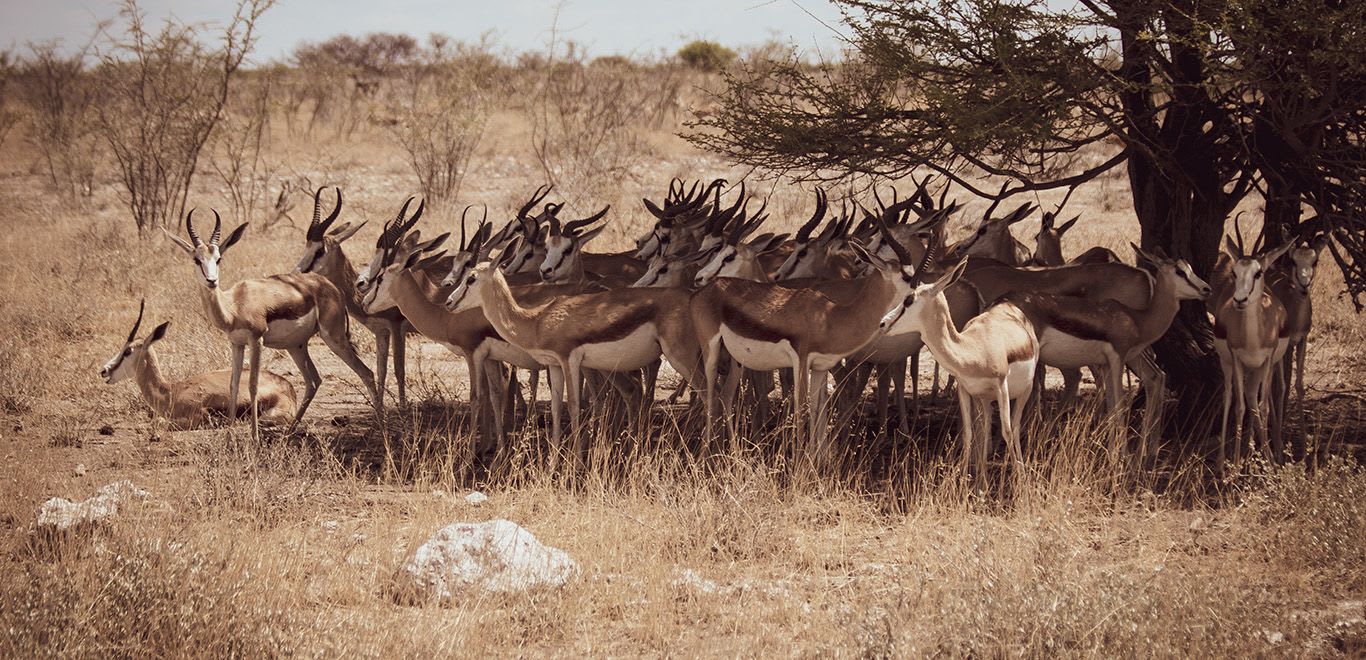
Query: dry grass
289,547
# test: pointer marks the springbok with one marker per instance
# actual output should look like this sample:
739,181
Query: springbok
1292,287
1250,338
769,326
197,401
824,256
993,358
400,284
677,221
323,255
1075,332
281,311
565,260
617,330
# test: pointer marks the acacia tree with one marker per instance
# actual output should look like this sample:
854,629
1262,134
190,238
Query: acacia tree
1190,91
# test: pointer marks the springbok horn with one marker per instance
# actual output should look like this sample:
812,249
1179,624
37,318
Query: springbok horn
804,233
540,194
189,229
572,228
133,334
315,234
462,226
331,217
217,228
900,250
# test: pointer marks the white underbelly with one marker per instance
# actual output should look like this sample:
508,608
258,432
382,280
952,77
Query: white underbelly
633,351
823,361
1064,351
757,355
286,333
1020,377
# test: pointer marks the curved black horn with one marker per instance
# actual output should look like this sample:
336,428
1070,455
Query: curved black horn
572,228
332,217
217,228
189,229
132,334
902,254
462,225
804,234
540,194
314,234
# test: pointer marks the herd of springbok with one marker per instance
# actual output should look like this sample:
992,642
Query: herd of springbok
849,294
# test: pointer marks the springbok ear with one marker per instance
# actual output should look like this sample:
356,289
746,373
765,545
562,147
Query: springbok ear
430,260
1062,229
411,261
1272,255
432,244
346,231
1319,241
953,276
506,257
590,235
235,236
184,245
158,333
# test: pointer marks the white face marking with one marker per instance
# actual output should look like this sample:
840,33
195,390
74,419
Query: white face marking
649,245
1189,286
206,259
120,367
469,293
1247,281
367,273
657,269
798,264
380,296
725,263
464,261
559,257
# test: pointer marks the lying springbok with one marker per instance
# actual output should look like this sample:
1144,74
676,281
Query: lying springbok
1250,338
323,255
993,357
281,311
1291,285
198,401
616,330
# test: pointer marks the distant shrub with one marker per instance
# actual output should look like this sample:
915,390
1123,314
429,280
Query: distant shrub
706,55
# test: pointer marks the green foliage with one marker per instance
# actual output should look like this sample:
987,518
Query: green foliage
706,55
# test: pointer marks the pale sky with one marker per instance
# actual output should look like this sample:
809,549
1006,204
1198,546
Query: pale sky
606,27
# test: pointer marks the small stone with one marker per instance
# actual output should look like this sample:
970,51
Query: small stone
80,469
330,526
155,437
476,498
106,430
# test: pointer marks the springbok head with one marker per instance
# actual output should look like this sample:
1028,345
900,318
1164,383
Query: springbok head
421,255
1249,271
1304,260
125,363
395,231
207,256
680,214
909,313
992,237
472,250
564,245
1189,286
322,247
806,248
469,293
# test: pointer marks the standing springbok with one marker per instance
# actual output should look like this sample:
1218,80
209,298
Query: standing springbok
992,237
197,401
769,326
1291,285
1075,332
323,255
993,358
1249,336
281,311
615,331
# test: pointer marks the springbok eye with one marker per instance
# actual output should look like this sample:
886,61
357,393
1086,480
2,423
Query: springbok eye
128,351
664,239
729,258
802,253
470,280
1257,275
664,270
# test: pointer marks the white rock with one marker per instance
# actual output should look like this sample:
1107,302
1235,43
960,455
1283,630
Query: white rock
60,513
80,469
498,556
688,578
330,526
476,498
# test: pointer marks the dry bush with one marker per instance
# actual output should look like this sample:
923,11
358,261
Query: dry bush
9,115
440,109
239,141
584,126
62,98
165,93
263,484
